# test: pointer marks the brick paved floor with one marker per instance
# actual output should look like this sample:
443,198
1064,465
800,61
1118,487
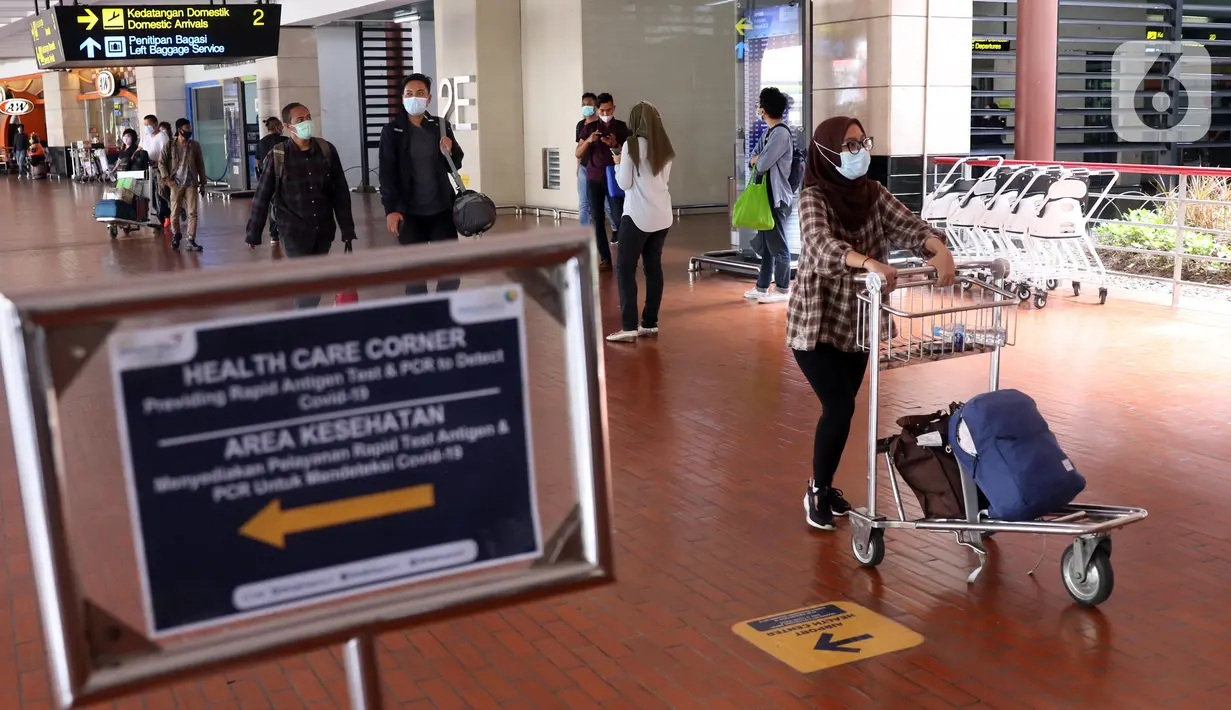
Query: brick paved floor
710,430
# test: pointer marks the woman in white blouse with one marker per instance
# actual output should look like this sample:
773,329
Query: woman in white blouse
643,168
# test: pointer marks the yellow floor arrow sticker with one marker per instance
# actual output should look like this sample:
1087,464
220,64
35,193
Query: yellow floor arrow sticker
820,637
273,524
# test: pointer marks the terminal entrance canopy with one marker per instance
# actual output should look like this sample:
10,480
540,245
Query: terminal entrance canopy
82,37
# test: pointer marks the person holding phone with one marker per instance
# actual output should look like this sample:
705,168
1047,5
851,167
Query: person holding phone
599,141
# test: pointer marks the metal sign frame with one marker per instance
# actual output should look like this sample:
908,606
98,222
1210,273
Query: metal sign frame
90,661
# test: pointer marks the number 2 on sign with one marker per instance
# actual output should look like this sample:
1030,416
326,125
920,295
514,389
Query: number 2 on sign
258,18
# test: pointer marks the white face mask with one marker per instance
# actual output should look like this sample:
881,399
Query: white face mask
415,105
606,119
854,165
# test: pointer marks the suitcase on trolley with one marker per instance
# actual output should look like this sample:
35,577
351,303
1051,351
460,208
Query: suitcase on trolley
1003,441
115,209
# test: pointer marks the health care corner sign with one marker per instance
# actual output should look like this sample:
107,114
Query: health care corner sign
72,37
281,460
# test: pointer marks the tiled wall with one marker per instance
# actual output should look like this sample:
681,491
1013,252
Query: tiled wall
679,56
871,60
552,88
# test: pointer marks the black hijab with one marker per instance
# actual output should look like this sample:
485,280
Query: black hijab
851,200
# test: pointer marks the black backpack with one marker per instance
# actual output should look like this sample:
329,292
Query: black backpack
799,159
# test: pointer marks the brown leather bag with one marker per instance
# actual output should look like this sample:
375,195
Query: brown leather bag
930,471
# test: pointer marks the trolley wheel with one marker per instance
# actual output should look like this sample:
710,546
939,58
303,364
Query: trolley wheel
967,285
1102,295
1096,585
1023,292
1040,299
874,553
113,231
1076,288
1053,284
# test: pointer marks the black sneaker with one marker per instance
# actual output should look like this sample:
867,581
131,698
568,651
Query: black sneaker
819,517
175,241
193,246
837,504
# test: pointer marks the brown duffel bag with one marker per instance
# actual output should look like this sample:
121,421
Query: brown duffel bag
929,468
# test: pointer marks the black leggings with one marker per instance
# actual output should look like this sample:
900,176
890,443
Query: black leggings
836,377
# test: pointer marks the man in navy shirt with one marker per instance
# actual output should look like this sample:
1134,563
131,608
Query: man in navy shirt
597,141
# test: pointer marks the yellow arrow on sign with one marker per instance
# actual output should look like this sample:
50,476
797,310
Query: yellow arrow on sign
273,524
89,19
743,26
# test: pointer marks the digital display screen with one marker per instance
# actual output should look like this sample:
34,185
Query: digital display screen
89,36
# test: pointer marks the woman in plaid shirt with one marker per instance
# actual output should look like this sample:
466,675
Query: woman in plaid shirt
847,225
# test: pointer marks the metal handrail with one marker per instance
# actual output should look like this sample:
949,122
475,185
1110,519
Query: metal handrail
1180,199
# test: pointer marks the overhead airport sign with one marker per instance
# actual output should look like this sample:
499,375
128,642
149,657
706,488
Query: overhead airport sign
78,36
282,460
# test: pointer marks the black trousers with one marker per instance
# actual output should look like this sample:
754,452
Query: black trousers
298,245
835,377
429,229
637,245
598,199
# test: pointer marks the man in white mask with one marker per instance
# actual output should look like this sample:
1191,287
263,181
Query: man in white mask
302,179
415,187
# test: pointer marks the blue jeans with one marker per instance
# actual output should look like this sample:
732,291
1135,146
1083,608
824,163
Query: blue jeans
583,198
775,253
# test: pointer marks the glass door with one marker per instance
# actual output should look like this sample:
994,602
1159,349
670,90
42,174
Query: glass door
769,51
209,129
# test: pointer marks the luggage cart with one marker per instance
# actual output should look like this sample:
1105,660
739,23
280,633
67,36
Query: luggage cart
916,323
144,185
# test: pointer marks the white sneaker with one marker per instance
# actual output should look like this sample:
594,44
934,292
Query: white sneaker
774,296
754,294
647,332
623,336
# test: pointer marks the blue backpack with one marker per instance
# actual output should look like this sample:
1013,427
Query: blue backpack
1006,445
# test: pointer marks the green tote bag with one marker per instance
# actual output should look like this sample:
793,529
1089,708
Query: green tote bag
752,210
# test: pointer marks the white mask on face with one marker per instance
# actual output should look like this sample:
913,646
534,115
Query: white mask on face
854,165
606,119
415,105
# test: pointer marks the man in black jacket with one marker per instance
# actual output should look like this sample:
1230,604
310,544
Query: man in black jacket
304,178
263,148
21,143
415,186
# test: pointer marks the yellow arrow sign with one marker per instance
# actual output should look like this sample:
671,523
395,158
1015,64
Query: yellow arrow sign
273,524
743,26
89,19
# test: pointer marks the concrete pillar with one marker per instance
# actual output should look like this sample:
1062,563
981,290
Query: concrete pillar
905,74
482,39
292,76
65,114
1037,35
160,91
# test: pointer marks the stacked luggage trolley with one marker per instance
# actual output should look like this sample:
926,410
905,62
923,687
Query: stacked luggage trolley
922,322
1037,217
